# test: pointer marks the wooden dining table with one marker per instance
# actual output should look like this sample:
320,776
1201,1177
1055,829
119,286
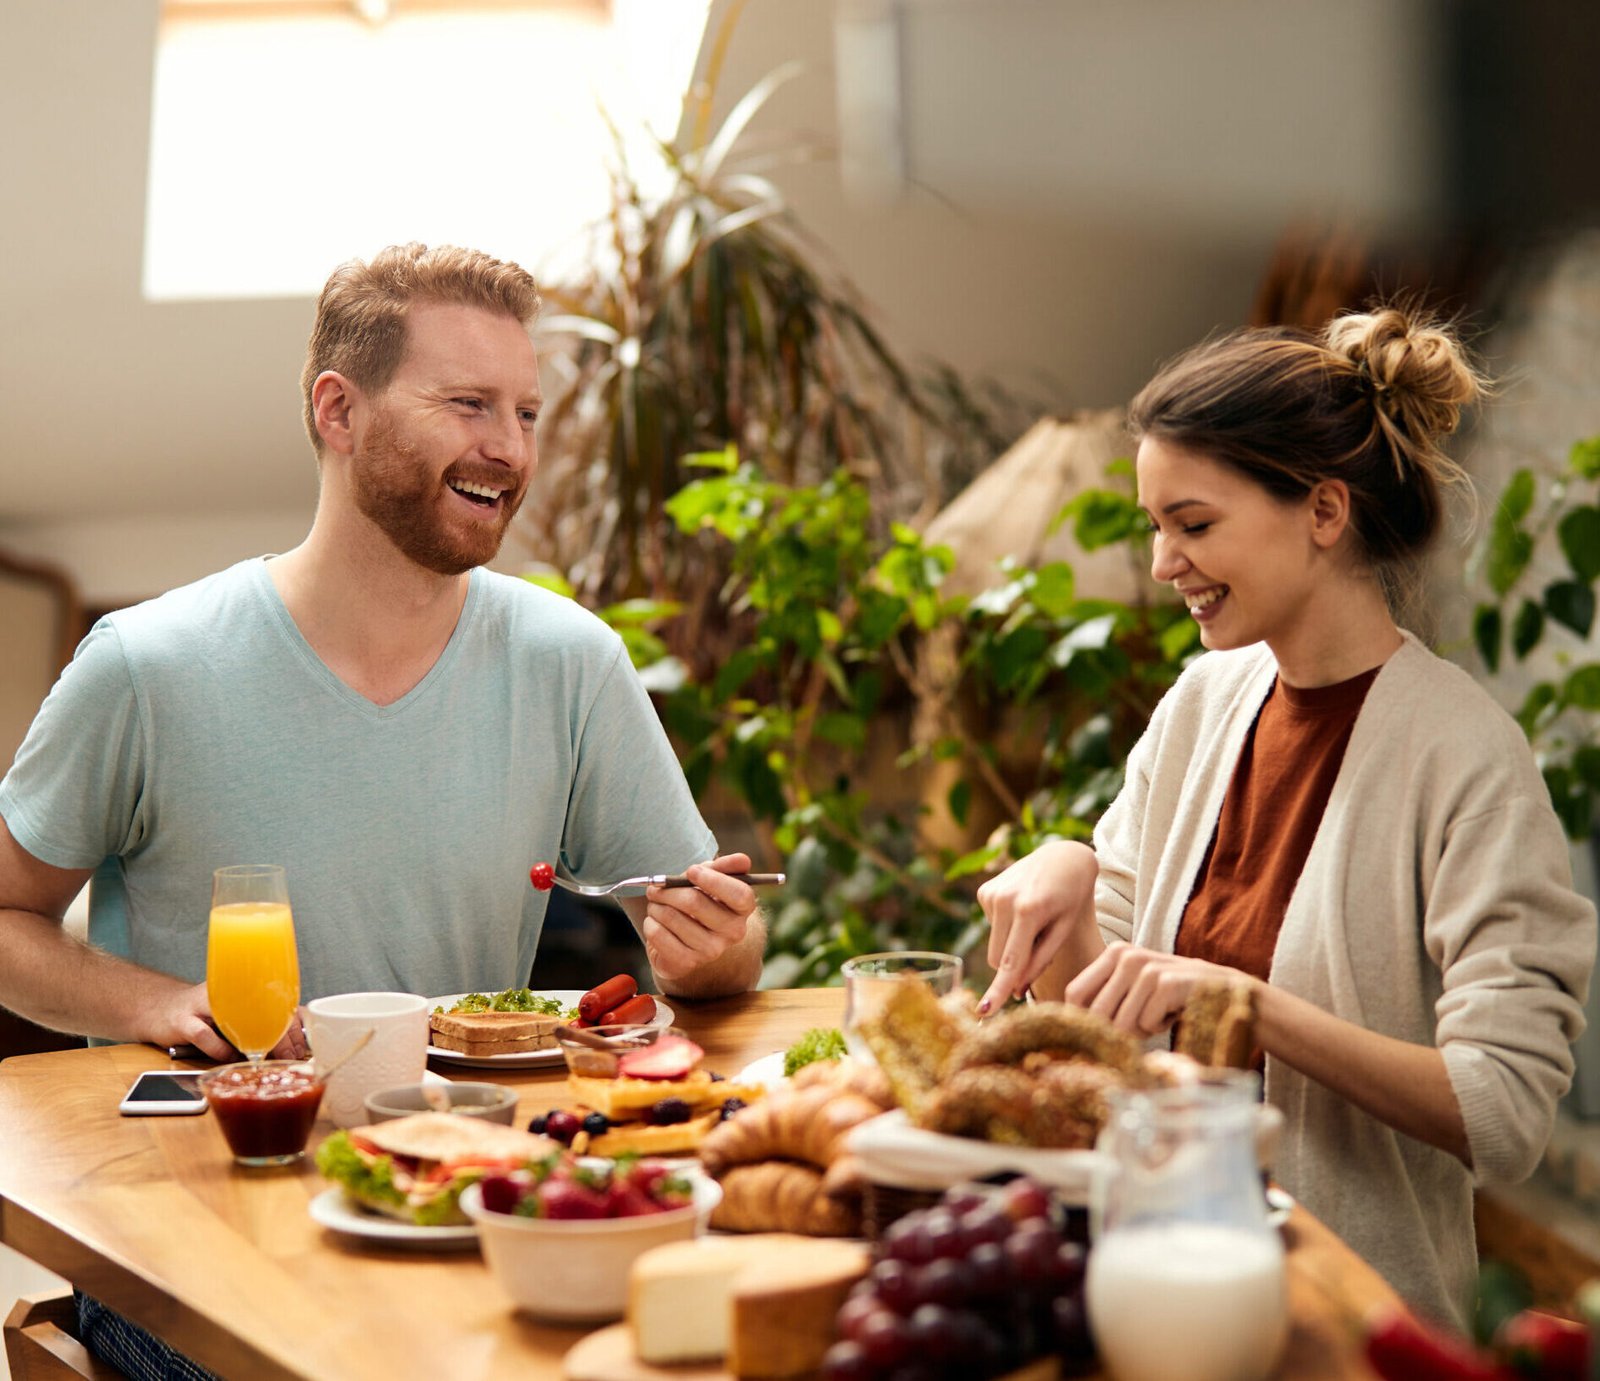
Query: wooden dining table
151,1215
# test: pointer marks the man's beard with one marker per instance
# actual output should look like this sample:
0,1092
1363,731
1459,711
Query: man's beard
395,486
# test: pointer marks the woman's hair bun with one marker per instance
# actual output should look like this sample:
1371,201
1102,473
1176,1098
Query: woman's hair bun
1416,370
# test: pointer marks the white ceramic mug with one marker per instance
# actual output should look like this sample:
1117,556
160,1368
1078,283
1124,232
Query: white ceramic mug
397,1053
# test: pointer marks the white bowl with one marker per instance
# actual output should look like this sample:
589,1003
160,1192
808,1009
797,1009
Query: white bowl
576,1270
487,1102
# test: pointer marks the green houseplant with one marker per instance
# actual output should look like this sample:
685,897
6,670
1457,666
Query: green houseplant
1544,524
837,613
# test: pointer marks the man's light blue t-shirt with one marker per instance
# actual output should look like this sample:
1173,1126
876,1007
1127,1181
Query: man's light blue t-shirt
200,729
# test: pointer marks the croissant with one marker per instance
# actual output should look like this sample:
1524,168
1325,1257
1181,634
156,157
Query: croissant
806,1125
854,1075
778,1196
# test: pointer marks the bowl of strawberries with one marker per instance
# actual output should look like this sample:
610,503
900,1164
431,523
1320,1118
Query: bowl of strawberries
561,1234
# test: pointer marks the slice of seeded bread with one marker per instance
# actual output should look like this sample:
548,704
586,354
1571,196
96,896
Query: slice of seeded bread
1218,1027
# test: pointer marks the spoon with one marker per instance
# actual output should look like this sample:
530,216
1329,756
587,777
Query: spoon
361,1043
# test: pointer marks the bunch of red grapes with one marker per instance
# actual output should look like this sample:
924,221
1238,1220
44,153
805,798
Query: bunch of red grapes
976,1286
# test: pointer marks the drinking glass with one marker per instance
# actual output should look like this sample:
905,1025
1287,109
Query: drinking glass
252,969
870,978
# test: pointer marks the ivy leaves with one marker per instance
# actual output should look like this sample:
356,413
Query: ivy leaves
1558,712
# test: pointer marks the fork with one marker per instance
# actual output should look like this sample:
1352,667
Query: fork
638,884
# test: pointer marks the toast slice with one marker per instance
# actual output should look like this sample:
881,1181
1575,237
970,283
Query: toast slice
493,1033
484,1049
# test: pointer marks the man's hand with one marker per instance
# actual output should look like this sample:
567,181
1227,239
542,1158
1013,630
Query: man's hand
1141,990
294,1045
705,940
182,1016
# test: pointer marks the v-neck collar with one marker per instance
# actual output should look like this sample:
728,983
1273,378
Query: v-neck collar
320,671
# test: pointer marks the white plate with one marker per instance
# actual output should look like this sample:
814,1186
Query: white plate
767,1071
567,997
333,1210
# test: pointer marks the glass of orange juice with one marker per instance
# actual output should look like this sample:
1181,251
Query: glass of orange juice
252,969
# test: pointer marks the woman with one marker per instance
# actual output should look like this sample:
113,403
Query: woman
1323,808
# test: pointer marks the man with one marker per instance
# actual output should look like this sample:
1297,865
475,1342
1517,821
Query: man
404,730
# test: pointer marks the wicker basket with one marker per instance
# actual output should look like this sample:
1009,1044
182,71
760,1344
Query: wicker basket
882,1204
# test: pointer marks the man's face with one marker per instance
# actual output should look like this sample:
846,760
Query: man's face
448,452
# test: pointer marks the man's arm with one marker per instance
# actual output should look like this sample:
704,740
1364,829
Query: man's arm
54,979
707,940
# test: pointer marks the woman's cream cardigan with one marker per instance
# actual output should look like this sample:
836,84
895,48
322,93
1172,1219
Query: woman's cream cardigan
1435,906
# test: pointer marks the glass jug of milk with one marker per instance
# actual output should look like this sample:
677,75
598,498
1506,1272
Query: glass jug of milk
1186,1276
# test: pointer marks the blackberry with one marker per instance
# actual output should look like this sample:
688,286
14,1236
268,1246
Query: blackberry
668,1112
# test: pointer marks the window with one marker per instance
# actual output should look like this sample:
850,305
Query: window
289,135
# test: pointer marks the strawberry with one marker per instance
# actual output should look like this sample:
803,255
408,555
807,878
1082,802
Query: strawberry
1400,1348
568,1199
629,1201
542,876
1542,1345
646,1175
501,1192
671,1057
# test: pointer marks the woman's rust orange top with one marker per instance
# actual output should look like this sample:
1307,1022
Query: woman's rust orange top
1269,819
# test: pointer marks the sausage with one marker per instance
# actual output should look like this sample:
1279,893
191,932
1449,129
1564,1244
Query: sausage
612,993
636,1009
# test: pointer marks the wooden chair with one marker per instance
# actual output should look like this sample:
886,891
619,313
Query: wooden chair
42,618
42,1344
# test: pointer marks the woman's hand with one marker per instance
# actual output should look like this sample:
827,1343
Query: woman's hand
1142,990
1038,908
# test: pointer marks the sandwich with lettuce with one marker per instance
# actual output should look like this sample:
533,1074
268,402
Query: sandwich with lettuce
414,1168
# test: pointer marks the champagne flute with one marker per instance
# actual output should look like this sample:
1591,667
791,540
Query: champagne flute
252,969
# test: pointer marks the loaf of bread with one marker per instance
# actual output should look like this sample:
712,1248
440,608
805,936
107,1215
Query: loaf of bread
807,1125
781,1196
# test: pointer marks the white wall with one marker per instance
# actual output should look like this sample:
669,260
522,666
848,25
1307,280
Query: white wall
1089,187
144,445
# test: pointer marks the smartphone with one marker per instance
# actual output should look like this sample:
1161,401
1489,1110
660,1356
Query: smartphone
163,1093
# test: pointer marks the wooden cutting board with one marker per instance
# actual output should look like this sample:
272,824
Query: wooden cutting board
608,1356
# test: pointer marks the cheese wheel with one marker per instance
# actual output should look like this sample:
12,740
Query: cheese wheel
764,1302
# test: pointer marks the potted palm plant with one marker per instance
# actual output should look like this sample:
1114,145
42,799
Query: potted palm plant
709,318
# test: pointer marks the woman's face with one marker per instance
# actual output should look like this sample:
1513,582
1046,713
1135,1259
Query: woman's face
1244,561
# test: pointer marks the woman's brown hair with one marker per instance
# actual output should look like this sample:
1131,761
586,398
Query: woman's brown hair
1368,400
